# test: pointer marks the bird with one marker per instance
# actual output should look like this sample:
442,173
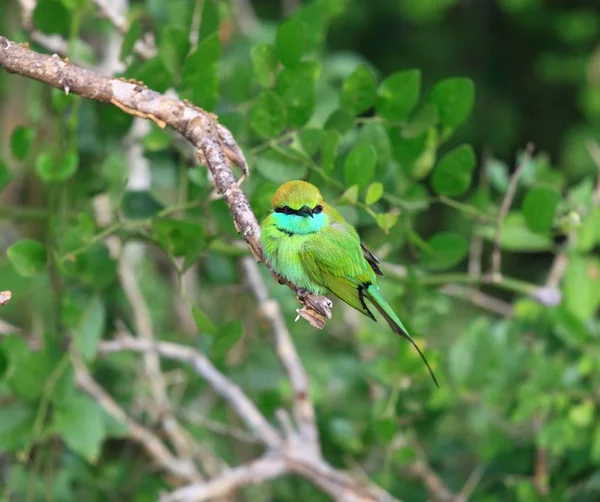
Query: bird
308,242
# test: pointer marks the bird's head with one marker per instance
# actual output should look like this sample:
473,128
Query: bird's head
298,207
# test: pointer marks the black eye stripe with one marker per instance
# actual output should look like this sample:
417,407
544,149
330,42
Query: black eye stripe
288,210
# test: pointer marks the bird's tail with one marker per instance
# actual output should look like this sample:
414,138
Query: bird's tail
386,311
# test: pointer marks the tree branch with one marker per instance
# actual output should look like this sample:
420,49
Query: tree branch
304,412
214,143
140,434
236,398
258,471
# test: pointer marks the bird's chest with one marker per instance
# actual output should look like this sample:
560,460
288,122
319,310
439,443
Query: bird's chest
286,259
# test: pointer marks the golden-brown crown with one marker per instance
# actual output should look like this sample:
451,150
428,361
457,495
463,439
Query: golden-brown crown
297,194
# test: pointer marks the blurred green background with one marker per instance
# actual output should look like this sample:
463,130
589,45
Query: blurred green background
411,116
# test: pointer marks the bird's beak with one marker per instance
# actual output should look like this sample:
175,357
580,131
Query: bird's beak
305,211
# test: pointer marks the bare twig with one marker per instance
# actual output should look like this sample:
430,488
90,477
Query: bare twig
145,48
475,252
143,324
214,143
478,298
219,428
245,16
496,271
471,484
289,6
258,471
5,297
594,151
304,412
145,437
438,490
245,408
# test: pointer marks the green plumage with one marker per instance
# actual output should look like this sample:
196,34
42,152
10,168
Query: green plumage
308,242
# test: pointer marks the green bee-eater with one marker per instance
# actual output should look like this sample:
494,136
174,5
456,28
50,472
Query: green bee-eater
309,243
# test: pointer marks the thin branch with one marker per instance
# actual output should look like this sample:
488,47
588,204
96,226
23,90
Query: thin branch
243,406
304,412
214,143
144,48
258,471
478,298
245,16
140,434
504,208
422,471
5,297
219,428
471,484
594,151
143,323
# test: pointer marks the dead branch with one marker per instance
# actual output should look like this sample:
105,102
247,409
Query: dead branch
496,271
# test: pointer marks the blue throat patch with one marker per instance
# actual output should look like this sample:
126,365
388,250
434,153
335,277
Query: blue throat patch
294,224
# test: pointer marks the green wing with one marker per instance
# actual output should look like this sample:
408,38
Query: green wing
334,259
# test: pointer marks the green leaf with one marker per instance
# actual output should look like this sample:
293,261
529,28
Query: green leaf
454,98
424,119
539,208
582,414
445,250
179,237
289,42
152,73
200,77
398,94
157,140
359,91
582,286
28,257
20,141
133,34
340,120
28,369
350,196
311,140
297,88
386,221
588,234
16,425
516,236
51,16
374,193
264,62
203,322
6,175
173,47
139,205
359,166
210,19
90,329
268,115
81,423
278,168
453,174
230,334
377,136
331,143
50,168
